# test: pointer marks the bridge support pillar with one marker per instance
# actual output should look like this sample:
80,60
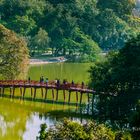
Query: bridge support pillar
42,92
24,90
69,96
81,97
77,96
88,107
3,91
46,90
34,93
0,91
64,94
13,91
56,94
31,92
92,103
53,94
10,92
20,91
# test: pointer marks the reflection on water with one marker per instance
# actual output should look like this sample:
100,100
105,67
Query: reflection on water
33,125
20,120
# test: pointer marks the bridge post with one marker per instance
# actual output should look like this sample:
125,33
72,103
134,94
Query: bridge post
69,95
64,93
24,90
92,102
34,93
31,92
88,103
10,92
0,91
20,91
77,96
56,94
53,93
46,90
13,91
3,91
42,92
81,97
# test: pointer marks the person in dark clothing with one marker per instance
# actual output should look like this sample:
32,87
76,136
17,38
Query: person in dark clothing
58,82
72,83
29,79
64,81
41,79
47,81
83,84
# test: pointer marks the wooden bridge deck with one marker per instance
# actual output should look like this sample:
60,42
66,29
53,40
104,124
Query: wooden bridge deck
51,85
77,89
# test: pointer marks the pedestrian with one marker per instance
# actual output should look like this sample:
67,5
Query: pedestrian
64,81
72,83
29,79
42,79
58,82
83,84
47,81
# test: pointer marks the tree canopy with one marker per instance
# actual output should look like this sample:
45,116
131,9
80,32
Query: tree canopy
121,69
107,23
13,54
70,130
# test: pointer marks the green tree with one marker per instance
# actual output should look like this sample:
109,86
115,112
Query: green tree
74,131
119,7
134,121
40,42
119,75
13,54
120,70
69,130
23,25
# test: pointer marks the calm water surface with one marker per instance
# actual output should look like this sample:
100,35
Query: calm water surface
20,120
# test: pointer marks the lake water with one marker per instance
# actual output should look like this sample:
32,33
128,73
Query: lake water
20,120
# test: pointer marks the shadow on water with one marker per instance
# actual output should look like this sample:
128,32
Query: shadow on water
43,100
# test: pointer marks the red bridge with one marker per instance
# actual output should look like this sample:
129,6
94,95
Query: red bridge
22,85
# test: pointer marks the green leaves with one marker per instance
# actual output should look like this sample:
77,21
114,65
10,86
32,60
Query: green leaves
69,130
121,70
13,55
107,24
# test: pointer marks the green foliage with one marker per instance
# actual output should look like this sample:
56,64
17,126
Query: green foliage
13,54
69,130
40,42
42,132
134,121
120,7
120,72
107,24
119,75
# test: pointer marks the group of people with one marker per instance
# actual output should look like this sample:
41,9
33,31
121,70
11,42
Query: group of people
57,81
41,80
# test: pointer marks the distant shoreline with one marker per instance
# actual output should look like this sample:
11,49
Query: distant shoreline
52,60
